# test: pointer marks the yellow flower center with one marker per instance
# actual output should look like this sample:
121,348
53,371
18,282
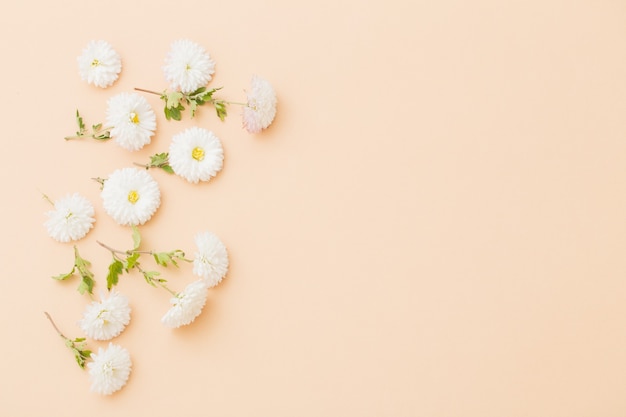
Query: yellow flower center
134,117
133,197
187,67
197,154
95,62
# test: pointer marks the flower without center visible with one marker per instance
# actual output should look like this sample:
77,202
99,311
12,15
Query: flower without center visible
197,154
134,117
133,196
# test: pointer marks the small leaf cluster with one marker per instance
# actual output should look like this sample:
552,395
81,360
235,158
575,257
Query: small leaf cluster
174,102
160,160
124,262
81,266
78,347
97,132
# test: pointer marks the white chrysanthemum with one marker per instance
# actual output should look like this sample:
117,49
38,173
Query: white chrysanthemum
188,66
211,260
260,110
196,154
109,369
187,305
131,119
99,64
130,196
107,318
71,219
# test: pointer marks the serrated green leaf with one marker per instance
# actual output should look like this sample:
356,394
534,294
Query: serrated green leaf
81,124
63,277
86,285
175,114
131,261
198,91
220,108
193,105
103,136
162,258
115,269
136,238
172,99
167,169
149,277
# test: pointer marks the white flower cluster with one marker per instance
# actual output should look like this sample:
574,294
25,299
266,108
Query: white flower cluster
131,196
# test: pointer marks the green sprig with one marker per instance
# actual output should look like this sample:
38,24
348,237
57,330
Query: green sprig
78,346
175,102
159,160
97,131
125,261
81,265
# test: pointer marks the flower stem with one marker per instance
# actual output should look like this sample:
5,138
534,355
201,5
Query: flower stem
121,252
233,102
54,325
45,197
147,91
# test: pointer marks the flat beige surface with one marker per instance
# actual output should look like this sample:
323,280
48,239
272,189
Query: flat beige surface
434,225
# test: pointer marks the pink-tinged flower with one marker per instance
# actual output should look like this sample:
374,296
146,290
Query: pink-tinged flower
260,109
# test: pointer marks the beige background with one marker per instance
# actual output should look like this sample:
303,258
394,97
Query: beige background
433,226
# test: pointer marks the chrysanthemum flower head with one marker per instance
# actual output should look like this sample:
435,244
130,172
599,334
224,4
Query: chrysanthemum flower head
187,305
211,260
107,318
71,219
260,110
99,64
188,66
196,154
130,196
131,119
109,369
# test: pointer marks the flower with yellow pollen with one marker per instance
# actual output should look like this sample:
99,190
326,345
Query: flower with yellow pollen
130,196
196,154
131,119
99,64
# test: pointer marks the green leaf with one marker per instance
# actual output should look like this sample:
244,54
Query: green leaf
159,159
115,269
103,136
87,282
97,127
220,108
63,277
193,105
172,100
86,285
80,123
167,169
131,261
149,276
162,258
136,238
